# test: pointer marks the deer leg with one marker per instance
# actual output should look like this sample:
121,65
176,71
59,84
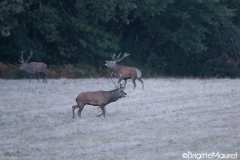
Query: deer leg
30,78
45,77
119,80
80,110
125,82
37,77
134,83
141,82
103,111
73,108
43,74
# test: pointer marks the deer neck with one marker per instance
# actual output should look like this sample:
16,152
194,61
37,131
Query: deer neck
113,96
26,67
116,68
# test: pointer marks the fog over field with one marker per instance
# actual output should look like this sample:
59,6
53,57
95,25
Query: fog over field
166,119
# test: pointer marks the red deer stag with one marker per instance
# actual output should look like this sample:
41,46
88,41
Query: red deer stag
33,67
97,98
124,72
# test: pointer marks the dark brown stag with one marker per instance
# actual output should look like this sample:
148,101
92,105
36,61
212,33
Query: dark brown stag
33,67
97,98
124,72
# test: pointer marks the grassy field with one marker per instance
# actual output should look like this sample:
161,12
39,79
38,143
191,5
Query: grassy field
166,119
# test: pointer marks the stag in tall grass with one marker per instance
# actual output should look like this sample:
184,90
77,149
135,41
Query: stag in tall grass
98,98
33,67
124,72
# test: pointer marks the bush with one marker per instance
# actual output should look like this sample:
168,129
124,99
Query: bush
10,71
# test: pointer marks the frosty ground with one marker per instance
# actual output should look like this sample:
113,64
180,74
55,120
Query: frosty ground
166,119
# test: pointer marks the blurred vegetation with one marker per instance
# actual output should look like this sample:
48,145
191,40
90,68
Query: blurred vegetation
197,38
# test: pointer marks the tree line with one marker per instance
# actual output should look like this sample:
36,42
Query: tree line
198,38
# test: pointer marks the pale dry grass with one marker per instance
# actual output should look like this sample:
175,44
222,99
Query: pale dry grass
167,119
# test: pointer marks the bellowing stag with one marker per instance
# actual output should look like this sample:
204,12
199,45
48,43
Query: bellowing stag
33,67
97,98
124,72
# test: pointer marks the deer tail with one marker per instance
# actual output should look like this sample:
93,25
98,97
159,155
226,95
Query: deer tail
75,98
139,73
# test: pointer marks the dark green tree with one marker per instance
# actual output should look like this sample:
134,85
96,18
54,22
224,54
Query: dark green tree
177,38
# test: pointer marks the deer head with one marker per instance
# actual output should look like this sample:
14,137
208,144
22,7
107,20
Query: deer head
115,59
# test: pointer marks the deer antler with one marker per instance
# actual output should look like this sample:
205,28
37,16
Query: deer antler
31,53
113,57
121,84
119,55
125,55
113,81
122,87
21,60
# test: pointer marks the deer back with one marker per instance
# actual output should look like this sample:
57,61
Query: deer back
93,98
100,97
33,67
129,72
